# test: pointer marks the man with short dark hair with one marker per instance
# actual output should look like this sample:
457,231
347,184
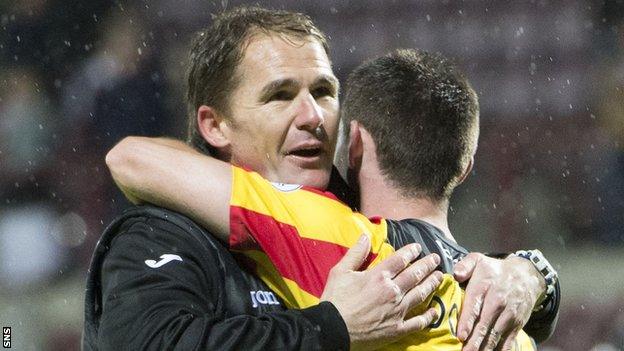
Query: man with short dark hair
412,121
424,144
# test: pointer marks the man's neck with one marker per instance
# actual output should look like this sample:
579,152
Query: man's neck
378,197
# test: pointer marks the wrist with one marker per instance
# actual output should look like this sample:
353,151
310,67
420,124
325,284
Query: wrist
334,333
544,272
531,278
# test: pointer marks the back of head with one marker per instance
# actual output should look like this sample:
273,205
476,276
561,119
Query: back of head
423,116
218,50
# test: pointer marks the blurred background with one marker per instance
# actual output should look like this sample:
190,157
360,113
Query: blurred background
76,76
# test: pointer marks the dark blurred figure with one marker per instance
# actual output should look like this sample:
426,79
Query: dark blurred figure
117,91
50,36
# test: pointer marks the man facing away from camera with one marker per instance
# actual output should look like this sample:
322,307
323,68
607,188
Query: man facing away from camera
283,125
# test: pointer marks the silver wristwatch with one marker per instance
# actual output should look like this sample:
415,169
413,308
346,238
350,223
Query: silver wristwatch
546,270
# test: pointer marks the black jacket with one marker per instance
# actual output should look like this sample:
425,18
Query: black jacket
196,298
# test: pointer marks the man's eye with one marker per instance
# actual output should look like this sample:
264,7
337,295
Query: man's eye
281,96
322,92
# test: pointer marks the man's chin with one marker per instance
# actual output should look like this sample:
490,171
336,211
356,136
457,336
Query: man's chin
313,174
315,178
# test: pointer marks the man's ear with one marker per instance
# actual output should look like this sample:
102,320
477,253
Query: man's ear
467,171
211,126
356,148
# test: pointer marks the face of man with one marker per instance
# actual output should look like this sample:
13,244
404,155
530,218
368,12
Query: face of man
284,113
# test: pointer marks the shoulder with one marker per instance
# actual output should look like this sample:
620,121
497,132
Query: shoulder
157,224
148,250
432,240
146,234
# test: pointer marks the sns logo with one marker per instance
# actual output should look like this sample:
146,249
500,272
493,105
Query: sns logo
6,337
262,298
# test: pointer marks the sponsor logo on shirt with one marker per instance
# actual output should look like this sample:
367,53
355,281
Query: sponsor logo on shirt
166,258
262,298
446,251
286,188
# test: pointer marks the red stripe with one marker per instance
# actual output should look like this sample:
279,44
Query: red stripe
302,260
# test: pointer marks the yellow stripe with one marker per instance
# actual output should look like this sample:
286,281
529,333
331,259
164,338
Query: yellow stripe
252,192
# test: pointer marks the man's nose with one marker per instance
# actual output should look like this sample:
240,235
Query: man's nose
310,115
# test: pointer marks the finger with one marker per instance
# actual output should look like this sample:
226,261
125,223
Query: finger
508,341
471,308
417,295
397,262
419,322
493,305
416,272
355,257
463,269
476,338
492,340
509,324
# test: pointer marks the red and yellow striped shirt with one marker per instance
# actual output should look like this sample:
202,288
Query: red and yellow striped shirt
294,235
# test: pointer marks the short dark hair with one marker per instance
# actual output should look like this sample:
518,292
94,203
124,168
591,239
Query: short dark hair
217,51
423,116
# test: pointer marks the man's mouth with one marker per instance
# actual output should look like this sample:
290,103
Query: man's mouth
312,152
307,155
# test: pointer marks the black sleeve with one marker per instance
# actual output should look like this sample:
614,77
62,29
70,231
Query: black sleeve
178,306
